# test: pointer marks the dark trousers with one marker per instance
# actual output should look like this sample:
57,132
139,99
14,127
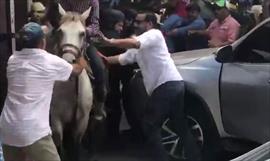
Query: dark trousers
99,73
118,75
167,101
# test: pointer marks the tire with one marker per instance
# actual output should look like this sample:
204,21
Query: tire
205,131
202,128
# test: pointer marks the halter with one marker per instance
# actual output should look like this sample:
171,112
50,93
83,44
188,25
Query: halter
79,51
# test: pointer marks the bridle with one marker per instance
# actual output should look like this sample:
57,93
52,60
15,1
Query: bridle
78,51
63,50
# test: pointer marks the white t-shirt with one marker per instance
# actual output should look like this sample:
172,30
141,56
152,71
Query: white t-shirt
31,74
153,59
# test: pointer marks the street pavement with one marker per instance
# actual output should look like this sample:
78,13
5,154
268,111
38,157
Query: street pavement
127,149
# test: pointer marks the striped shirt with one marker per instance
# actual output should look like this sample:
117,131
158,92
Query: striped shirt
82,5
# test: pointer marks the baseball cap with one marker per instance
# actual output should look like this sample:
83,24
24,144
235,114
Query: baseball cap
31,32
221,3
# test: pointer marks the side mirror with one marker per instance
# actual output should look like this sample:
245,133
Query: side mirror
225,54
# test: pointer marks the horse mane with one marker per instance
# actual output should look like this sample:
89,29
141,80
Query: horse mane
72,16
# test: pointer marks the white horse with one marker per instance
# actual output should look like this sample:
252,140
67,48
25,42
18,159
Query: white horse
72,100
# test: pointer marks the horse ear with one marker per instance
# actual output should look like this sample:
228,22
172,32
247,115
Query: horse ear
61,10
86,13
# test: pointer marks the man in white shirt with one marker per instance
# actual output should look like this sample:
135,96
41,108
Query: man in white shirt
163,84
31,73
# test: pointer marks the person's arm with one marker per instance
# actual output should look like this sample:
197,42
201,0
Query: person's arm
216,43
79,66
145,40
93,27
204,32
199,32
233,33
127,43
113,59
128,57
195,25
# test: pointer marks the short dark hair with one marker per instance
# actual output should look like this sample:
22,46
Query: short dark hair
130,14
151,17
193,7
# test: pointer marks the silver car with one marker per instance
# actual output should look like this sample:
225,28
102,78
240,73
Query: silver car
261,153
227,94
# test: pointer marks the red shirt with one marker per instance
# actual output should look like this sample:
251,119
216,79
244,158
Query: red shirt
227,30
181,8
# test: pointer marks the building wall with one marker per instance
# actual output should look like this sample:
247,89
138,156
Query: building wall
4,52
21,13
5,46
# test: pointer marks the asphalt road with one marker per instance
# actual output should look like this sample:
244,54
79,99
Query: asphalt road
127,149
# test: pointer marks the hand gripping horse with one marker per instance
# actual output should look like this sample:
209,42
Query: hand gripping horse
72,100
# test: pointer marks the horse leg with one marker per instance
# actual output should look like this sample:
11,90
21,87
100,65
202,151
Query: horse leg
85,98
72,147
73,140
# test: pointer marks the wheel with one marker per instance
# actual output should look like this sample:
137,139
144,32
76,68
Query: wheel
170,139
201,127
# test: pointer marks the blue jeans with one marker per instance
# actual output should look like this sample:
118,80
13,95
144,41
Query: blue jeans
167,101
99,72
170,23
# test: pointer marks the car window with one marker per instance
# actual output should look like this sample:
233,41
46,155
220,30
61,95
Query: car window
256,47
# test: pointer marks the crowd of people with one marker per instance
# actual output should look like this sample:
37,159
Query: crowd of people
140,37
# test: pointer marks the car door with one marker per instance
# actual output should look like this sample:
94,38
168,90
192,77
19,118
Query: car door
245,88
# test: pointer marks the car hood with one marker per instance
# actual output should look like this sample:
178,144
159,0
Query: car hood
187,57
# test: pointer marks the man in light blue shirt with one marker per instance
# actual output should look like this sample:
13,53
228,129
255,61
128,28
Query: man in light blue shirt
193,22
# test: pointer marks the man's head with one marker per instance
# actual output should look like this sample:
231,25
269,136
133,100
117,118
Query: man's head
221,13
145,22
112,19
130,15
31,36
37,12
193,11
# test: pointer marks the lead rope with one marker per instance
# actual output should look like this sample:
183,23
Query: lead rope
83,51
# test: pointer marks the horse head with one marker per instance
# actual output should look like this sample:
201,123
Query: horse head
71,34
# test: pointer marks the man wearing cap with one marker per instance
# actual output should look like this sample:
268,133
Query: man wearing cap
31,73
224,30
163,84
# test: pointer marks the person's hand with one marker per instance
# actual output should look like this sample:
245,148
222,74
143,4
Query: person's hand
104,59
104,40
45,29
214,43
172,32
82,62
192,32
